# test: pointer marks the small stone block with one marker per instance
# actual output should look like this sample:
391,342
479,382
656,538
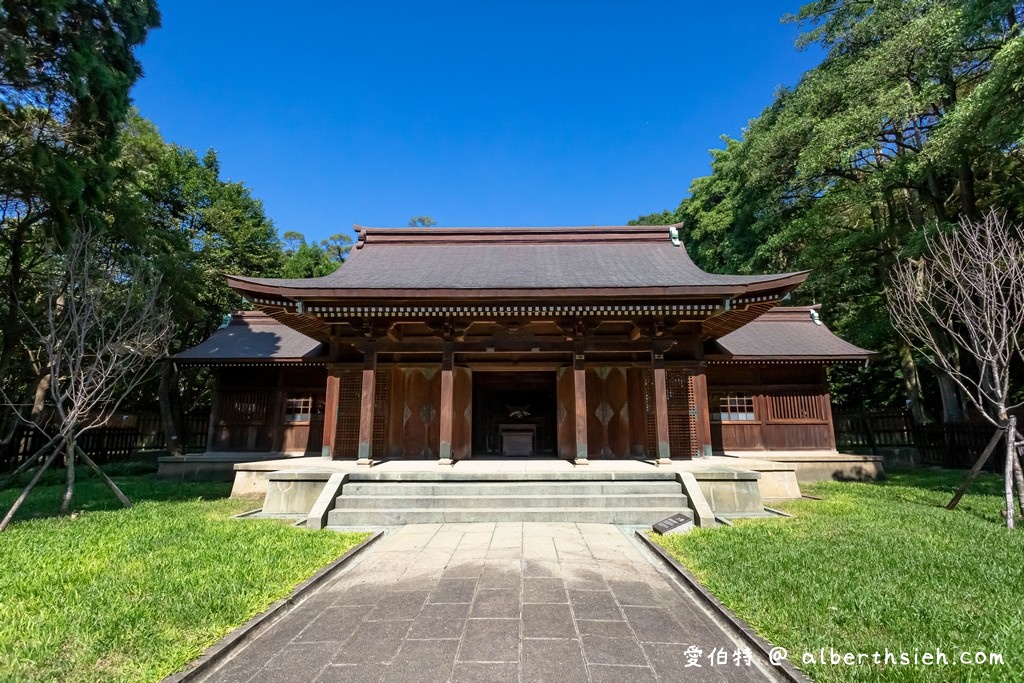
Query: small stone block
676,524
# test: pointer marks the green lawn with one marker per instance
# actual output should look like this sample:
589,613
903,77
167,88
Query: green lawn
876,566
108,594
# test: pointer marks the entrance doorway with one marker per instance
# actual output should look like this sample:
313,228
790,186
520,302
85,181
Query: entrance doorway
514,413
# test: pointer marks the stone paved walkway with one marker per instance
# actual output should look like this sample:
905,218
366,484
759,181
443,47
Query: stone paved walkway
493,603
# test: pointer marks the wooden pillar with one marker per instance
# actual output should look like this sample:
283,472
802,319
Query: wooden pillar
331,412
702,412
579,376
447,404
212,430
826,407
366,405
280,404
661,408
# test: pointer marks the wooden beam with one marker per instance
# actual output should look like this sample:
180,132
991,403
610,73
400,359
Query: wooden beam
331,412
661,409
447,408
703,412
366,404
579,376
211,430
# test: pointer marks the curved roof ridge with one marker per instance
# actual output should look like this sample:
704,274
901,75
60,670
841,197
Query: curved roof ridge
570,261
511,234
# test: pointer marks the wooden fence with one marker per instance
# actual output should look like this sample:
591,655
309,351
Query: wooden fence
954,445
107,444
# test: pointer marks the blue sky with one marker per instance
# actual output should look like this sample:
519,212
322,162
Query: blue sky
475,113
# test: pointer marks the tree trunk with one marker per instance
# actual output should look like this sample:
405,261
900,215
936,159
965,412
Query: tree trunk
169,416
39,398
912,385
952,405
967,197
1018,477
1011,455
69,475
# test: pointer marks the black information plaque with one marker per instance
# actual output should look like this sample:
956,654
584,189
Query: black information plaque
667,525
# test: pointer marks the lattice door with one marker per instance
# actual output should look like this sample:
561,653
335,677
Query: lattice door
346,440
682,421
380,411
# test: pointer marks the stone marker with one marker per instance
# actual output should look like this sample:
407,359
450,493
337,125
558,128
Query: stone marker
676,524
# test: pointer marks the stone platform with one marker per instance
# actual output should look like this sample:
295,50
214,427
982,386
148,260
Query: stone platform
817,465
213,466
532,488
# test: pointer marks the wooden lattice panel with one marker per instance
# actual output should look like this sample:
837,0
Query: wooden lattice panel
244,407
346,440
796,408
650,416
682,420
380,411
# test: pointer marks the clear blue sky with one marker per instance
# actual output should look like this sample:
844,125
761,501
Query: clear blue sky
475,113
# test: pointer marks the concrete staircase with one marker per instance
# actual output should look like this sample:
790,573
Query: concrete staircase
384,499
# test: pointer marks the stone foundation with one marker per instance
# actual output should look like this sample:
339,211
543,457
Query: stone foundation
820,465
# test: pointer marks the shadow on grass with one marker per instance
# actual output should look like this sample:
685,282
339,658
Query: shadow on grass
928,488
945,481
136,479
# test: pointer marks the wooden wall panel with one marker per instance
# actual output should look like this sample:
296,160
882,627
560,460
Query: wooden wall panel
608,434
566,407
635,406
462,415
742,437
790,437
421,428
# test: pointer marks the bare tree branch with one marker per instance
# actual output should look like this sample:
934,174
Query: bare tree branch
967,293
103,329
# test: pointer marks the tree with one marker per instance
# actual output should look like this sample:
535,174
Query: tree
966,292
337,247
913,118
173,204
302,260
66,69
105,325
422,222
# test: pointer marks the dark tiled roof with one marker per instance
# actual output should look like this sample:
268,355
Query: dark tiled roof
253,336
782,333
785,332
515,258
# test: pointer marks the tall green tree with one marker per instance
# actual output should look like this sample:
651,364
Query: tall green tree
66,69
912,120
316,259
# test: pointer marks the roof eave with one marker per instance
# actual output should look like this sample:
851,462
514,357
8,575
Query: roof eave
784,283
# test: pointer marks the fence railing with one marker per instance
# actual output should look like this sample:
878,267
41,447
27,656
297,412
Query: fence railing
107,444
954,445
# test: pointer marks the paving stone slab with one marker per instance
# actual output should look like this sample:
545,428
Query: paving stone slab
574,603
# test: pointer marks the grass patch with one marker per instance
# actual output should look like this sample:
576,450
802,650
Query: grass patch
874,567
109,594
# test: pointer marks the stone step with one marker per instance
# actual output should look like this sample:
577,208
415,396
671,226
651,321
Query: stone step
597,515
456,474
452,500
510,488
